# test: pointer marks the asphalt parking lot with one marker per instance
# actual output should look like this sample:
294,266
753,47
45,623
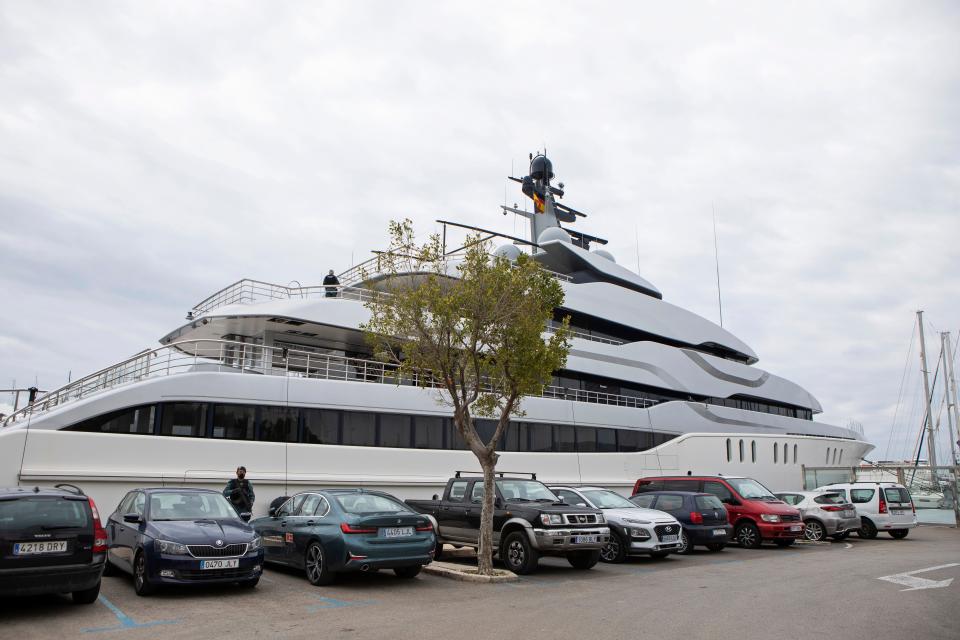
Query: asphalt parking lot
833,589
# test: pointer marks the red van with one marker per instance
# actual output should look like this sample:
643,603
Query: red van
755,513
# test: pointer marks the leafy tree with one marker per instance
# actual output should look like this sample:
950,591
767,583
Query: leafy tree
471,326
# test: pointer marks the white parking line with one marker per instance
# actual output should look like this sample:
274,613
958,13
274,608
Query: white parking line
910,580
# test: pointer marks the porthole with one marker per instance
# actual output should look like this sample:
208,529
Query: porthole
741,451
784,453
776,448
795,454
834,456
841,456
827,461
753,450
729,450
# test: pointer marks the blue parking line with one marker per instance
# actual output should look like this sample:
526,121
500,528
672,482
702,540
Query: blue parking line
126,622
333,603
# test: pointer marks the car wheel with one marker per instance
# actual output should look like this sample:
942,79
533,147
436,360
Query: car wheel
717,546
250,584
748,536
784,543
615,550
407,573
315,565
867,529
438,550
141,583
814,531
87,596
899,534
659,555
841,536
583,560
518,554
685,546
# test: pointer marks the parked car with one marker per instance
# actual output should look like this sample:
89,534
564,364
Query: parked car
755,513
825,514
172,536
633,530
882,506
51,541
529,520
325,532
702,516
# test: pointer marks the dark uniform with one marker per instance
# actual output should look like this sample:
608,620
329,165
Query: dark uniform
240,494
331,279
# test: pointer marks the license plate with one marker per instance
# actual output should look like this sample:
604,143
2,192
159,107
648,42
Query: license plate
220,564
668,539
896,512
719,532
396,532
796,527
585,539
30,548
848,514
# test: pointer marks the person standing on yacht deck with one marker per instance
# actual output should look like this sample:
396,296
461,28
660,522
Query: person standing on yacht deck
331,279
239,492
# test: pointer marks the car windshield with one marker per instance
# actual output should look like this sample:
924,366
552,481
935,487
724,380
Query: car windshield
42,512
175,505
525,490
363,503
606,499
750,489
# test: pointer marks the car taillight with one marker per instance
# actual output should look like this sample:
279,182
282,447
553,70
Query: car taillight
100,539
425,527
348,528
696,517
883,505
831,507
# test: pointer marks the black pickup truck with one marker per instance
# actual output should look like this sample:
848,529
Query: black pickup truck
529,521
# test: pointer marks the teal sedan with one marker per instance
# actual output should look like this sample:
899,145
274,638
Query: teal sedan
326,532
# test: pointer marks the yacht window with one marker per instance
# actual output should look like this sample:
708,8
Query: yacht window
795,454
729,451
135,420
485,429
628,440
741,451
394,430
564,438
184,419
606,440
233,422
359,429
427,432
541,437
753,451
784,453
776,448
586,439
834,456
827,461
321,426
515,437
454,439
278,424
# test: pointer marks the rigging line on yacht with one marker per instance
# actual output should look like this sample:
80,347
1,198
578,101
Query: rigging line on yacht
903,376
926,415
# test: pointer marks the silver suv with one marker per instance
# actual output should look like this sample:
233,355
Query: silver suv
825,514
882,506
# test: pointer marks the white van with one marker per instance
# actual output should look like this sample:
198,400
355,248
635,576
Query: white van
882,506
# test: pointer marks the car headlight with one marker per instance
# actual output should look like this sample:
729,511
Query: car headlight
170,548
551,518
634,521
639,533
769,517
255,544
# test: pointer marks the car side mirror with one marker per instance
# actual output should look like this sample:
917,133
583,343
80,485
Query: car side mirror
561,500
435,497
497,502
132,518
272,513
581,504
245,516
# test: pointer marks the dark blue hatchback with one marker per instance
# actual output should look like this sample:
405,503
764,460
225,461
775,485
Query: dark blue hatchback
182,536
702,516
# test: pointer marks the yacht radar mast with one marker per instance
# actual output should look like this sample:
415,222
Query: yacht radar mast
547,212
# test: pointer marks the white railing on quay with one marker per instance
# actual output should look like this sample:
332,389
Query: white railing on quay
253,359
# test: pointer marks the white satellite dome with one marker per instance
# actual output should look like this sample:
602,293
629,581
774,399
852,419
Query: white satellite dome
603,253
509,251
553,233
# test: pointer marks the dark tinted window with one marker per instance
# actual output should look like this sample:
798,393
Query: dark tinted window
359,429
234,422
669,502
135,420
644,500
628,440
897,495
454,439
395,430
652,485
708,502
717,489
427,432
186,419
458,489
278,424
861,496
541,437
606,440
515,437
321,426
34,512
680,485
586,439
564,438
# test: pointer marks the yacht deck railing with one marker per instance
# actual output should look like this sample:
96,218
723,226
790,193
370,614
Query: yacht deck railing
242,358
248,291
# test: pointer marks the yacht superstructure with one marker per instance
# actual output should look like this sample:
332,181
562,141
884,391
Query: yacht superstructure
280,379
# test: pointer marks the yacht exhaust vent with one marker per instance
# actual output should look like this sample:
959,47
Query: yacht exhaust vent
295,323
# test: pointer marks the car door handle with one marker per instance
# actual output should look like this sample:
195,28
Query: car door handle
310,523
283,524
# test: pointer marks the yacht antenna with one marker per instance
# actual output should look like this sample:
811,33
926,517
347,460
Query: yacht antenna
928,422
716,258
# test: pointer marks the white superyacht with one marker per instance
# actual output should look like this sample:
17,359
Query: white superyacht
280,379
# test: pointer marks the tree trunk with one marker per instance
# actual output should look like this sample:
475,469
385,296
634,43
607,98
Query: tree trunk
486,549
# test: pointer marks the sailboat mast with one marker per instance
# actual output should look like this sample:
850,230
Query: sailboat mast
952,418
928,423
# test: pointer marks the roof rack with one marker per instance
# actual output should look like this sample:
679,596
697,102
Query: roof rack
70,487
499,474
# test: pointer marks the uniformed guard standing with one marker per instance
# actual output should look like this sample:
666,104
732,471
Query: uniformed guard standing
239,492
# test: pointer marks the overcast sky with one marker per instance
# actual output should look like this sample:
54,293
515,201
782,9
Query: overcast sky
152,153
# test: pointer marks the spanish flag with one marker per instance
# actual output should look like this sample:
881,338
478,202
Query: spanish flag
537,202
